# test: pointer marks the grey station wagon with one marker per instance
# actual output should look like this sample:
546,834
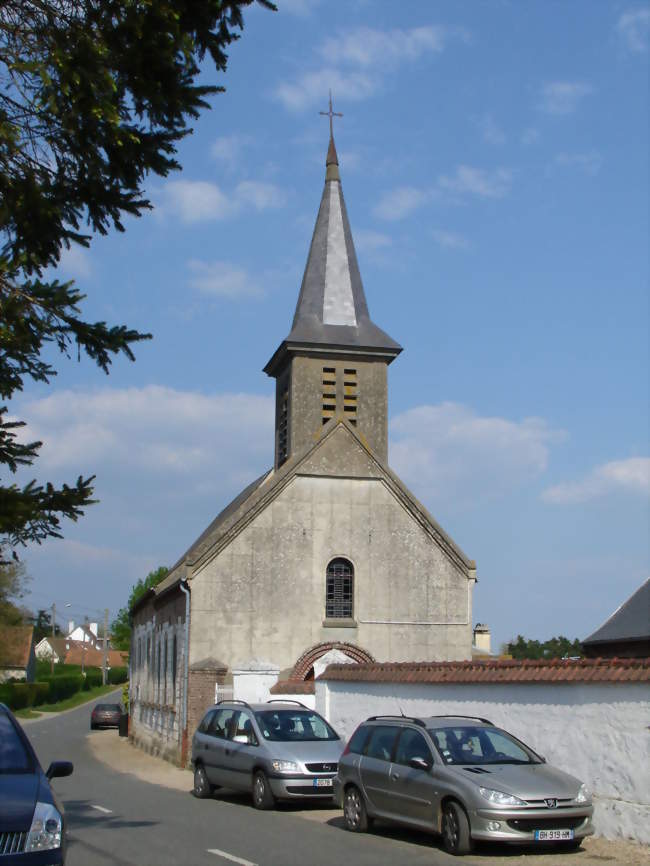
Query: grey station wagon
460,777
279,750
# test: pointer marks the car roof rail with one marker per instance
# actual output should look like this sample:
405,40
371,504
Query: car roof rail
286,701
402,718
456,716
234,701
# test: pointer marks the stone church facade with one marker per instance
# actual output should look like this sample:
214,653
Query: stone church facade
327,556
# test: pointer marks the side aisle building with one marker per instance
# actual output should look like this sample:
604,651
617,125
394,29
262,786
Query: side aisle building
325,557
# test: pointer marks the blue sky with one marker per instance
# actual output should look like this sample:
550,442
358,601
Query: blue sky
494,160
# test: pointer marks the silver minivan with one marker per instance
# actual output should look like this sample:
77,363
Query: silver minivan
280,750
461,777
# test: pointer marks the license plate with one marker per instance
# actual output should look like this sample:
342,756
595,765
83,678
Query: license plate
322,783
553,835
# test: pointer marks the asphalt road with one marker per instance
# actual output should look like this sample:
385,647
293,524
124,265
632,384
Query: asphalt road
118,819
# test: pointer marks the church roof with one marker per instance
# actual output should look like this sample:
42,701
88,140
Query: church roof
630,622
332,311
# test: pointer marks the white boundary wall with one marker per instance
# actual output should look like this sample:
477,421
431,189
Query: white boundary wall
598,732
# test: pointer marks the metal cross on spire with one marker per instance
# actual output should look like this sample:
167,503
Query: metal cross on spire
331,114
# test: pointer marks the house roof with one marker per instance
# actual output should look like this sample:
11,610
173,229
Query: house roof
264,489
332,311
494,672
94,658
15,645
61,645
630,622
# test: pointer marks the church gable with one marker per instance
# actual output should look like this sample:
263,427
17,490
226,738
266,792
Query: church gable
340,453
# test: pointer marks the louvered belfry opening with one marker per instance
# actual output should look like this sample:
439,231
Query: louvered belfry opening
339,589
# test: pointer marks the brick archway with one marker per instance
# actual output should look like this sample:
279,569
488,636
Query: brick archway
306,661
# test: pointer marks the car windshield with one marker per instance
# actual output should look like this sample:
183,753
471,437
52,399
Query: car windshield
468,744
14,757
294,725
108,708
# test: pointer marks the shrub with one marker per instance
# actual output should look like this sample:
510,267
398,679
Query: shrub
118,675
18,696
64,687
93,679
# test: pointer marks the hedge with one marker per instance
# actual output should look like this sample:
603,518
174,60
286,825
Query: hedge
18,696
118,675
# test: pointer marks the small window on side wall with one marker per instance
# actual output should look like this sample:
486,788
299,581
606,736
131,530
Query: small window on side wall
339,593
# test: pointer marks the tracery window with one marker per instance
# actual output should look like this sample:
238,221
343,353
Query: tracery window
339,592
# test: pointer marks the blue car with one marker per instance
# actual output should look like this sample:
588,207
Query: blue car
32,823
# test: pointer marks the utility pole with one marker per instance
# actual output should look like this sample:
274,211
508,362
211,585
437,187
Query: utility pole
105,661
53,633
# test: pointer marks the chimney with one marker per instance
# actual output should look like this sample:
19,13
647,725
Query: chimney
93,628
482,637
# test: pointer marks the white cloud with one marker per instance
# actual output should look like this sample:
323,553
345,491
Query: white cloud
589,163
301,8
309,88
477,181
144,443
562,97
634,28
356,62
400,202
261,196
222,279
367,47
75,262
370,241
530,136
450,240
197,201
227,149
490,130
622,476
449,454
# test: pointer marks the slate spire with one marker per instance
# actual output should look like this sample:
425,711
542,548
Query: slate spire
332,311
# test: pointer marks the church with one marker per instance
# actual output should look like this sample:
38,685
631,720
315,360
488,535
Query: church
325,557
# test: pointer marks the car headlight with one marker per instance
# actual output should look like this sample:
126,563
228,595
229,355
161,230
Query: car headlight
47,829
285,766
501,799
583,795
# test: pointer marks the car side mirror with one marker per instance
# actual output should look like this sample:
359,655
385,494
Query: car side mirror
419,764
59,768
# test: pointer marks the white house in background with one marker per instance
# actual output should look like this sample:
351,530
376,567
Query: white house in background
84,633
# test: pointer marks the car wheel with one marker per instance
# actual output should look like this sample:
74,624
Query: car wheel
456,837
262,794
202,787
354,811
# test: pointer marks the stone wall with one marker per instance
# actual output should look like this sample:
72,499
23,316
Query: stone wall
597,732
157,665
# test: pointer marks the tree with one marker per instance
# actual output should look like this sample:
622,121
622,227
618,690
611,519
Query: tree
13,580
42,622
121,625
554,648
94,96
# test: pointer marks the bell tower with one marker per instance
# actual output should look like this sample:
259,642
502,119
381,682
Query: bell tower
333,364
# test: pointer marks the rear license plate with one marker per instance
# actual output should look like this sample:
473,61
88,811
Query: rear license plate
553,835
322,783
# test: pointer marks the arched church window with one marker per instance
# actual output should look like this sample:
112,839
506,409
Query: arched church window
339,593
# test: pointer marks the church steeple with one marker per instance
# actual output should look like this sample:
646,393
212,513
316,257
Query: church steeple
331,324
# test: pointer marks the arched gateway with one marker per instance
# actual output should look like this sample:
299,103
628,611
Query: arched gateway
304,667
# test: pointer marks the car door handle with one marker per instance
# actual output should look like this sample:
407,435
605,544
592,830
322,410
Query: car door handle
394,775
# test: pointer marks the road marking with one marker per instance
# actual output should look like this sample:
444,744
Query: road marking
232,857
102,809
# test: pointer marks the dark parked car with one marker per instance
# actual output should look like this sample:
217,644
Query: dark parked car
280,750
105,716
461,777
32,821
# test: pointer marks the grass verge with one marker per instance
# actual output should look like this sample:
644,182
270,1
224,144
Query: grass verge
70,703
